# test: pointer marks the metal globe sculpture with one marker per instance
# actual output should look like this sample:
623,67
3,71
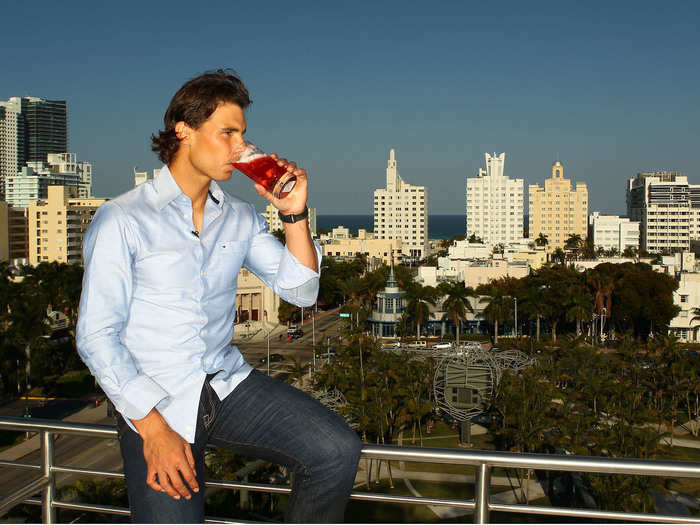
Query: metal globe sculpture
466,376
513,359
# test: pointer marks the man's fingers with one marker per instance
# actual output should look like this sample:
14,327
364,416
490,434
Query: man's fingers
190,457
151,480
189,477
178,484
164,481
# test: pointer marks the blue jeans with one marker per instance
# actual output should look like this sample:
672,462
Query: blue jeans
267,419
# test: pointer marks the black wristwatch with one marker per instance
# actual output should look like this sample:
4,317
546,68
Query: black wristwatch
291,218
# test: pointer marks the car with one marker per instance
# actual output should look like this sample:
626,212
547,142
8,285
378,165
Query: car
418,344
294,332
441,346
274,358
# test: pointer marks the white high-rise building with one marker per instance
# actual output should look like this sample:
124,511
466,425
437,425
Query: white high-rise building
12,147
274,223
611,232
401,212
667,208
495,204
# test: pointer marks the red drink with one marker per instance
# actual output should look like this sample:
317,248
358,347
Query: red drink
266,172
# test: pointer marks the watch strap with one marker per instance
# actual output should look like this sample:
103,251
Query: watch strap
292,218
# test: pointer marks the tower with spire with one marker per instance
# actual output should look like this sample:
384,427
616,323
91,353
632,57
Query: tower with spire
388,308
401,212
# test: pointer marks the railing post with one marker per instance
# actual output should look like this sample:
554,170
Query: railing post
48,513
481,493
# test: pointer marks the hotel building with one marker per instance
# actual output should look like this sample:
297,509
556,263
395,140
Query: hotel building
56,225
401,211
667,208
558,210
495,204
611,232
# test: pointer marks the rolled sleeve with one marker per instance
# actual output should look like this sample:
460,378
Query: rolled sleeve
295,279
279,269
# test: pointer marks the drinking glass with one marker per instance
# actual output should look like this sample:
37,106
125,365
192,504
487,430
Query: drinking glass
264,170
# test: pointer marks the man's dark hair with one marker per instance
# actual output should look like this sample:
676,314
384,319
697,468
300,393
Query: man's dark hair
194,103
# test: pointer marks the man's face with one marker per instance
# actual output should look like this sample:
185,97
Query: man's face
216,144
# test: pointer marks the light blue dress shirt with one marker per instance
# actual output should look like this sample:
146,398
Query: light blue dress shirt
158,302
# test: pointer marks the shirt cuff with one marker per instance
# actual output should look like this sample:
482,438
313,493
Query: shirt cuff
293,274
139,396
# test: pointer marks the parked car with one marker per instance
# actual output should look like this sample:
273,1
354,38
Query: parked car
273,358
418,344
294,332
441,346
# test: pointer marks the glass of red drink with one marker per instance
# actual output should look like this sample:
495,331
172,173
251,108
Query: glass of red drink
264,170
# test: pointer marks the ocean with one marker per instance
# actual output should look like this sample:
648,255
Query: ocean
439,226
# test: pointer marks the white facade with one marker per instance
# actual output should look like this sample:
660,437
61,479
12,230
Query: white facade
611,232
686,325
667,208
495,204
401,211
32,183
142,176
11,138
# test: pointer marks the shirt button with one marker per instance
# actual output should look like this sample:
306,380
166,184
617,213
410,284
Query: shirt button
189,427
204,332
204,303
185,215
203,273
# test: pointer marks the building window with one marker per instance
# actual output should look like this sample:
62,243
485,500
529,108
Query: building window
684,298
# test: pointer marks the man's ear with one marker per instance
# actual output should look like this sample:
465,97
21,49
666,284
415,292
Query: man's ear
182,131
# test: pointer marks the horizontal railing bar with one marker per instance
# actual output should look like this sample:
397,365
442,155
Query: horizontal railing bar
107,509
590,513
57,426
386,498
366,496
603,465
87,471
92,507
19,495
17,464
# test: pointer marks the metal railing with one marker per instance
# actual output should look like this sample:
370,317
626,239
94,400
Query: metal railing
484,461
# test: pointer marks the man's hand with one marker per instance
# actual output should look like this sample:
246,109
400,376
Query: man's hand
168,457
295,201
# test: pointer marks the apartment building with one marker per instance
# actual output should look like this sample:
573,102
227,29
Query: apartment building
30,129
56,225
401,211
611,232
495,204
60,169
4,232
667,208
274,223
256,304
18,234
559,209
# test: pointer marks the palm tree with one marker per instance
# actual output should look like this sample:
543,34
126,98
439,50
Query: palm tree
457,304
417,300
541,240
580,310
497,309
574,243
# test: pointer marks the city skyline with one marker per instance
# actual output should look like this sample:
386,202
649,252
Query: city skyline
585,84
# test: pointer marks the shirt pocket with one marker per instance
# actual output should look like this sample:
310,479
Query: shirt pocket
227,260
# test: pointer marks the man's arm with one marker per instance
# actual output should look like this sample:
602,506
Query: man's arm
104,305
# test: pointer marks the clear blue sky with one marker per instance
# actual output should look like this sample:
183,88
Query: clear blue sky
612,88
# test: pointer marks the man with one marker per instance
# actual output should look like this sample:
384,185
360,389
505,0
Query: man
157,312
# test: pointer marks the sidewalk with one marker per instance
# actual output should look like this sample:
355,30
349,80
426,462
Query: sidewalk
89,414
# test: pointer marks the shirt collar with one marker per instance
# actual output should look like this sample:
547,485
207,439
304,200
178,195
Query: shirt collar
168,190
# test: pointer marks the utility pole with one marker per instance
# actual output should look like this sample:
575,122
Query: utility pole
268,352
516,316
